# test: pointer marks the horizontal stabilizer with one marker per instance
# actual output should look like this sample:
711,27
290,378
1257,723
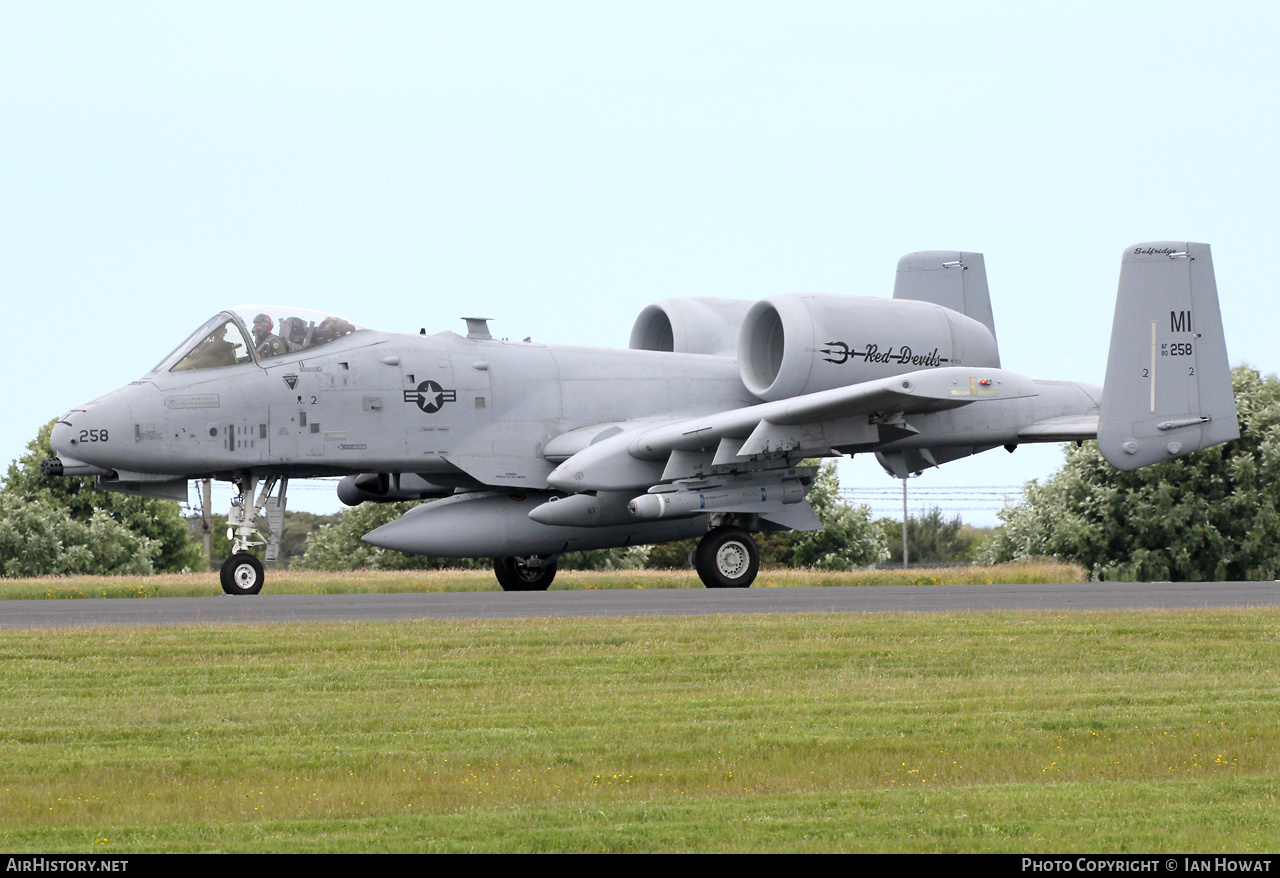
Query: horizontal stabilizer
1168,387
1072,428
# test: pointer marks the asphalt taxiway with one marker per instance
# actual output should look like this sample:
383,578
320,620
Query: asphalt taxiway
273,609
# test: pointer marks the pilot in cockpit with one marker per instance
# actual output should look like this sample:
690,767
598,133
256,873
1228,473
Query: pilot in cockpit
266,343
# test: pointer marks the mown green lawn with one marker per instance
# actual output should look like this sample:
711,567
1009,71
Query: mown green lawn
1134,731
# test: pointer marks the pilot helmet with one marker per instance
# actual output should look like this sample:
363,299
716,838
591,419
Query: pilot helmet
262,321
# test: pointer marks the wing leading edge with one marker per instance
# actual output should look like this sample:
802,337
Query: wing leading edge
808,425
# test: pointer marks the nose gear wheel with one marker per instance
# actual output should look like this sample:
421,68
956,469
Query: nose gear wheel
242,574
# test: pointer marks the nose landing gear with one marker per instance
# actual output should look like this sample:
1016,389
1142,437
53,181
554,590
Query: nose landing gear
242,573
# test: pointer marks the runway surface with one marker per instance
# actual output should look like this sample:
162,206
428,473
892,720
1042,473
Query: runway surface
272,609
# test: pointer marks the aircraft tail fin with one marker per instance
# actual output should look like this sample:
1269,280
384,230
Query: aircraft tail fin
1168,386
948,278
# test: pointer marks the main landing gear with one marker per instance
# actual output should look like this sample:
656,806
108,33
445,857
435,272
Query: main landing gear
727,557
242,573
525,573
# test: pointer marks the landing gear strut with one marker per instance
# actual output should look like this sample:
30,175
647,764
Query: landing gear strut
727,557
242,573
527,573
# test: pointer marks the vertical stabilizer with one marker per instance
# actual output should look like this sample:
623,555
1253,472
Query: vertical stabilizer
948,278
1168,387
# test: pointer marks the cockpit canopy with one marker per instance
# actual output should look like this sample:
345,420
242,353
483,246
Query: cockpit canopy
255,332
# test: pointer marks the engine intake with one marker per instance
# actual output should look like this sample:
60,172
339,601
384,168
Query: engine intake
690,326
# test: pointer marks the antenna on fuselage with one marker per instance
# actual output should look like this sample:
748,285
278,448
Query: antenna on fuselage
478,327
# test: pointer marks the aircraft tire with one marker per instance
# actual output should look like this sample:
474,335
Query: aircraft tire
727,557
513,575
242,574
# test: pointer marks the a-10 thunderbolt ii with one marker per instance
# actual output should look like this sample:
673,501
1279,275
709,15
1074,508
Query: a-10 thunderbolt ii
696,430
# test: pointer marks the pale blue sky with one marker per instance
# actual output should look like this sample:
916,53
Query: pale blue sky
558,166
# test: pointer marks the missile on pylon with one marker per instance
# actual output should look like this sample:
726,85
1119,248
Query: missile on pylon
726,498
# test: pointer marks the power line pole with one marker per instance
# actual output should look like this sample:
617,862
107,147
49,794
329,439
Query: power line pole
904,523
206,519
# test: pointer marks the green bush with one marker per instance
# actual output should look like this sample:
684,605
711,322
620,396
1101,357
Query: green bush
1212,515
150,521
39,538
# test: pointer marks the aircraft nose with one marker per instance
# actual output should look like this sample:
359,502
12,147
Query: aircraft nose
63,440
60,438
95,432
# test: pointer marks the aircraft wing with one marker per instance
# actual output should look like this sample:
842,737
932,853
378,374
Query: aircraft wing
652,453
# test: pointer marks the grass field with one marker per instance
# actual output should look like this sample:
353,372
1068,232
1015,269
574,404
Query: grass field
385,582
1134,731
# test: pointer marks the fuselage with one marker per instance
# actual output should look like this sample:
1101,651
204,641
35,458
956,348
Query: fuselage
385,402
481,410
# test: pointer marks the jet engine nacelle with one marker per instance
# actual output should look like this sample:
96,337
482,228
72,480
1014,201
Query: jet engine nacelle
795,343
690,326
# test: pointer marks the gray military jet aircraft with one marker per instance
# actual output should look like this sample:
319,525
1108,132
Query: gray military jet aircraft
696,430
